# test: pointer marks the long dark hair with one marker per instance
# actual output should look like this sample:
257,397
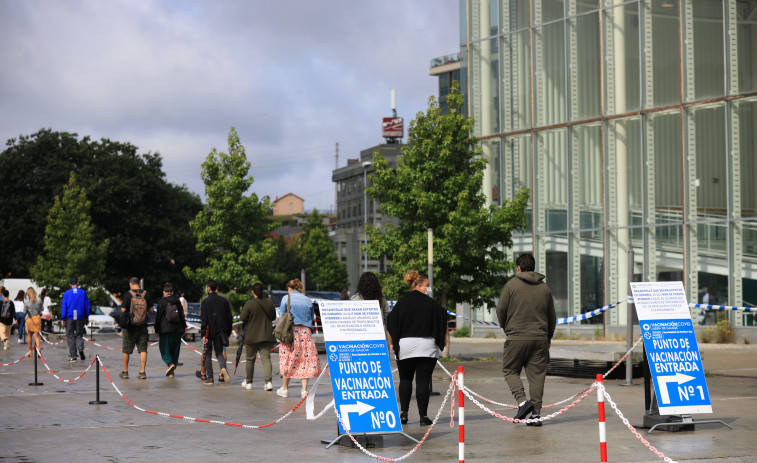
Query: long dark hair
369,287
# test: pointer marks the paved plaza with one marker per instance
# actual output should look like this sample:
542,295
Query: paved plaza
55,422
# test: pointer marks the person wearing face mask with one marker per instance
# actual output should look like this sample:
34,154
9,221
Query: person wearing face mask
418,333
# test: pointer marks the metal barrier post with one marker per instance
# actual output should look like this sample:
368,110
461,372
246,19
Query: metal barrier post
461,413
602,432
35,383
97,400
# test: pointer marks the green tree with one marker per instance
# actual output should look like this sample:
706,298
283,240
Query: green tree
70,249
437,184
288,263
322,267
231,227
145,218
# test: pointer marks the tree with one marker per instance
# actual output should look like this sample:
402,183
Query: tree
437,185
70,249
288,263
145,218
322,267
231,227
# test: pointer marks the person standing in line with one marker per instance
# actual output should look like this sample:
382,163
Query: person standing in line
417,335
257,315
74,314
7,315
369,289
180,293
136,305
170,325
47,314
33,310
215,325
299,359
20,316
526,312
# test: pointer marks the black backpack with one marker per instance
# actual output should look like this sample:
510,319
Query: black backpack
8,310
172,311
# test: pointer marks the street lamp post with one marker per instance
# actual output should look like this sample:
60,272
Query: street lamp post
366,165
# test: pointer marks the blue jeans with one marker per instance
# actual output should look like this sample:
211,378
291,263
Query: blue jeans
21,319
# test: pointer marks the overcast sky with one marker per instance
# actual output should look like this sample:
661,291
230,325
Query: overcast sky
294,78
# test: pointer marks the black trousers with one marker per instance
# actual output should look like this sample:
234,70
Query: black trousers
421,368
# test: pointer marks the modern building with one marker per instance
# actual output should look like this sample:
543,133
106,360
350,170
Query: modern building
634,125
355,210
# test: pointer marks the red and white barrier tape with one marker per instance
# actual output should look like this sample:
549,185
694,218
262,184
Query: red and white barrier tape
452,387
198,420
51,343
14,362
631,428
58,377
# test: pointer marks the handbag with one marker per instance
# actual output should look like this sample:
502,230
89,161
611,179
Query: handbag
283,331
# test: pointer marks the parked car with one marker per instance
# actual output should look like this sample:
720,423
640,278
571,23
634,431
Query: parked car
100,319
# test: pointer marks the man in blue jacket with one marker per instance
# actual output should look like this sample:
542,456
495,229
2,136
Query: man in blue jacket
75,315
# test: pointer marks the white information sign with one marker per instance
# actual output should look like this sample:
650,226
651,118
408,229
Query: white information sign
671,345
361,373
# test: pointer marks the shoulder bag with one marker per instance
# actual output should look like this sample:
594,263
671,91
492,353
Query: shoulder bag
283,331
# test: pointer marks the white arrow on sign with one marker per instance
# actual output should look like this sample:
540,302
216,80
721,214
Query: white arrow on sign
663,381
358,407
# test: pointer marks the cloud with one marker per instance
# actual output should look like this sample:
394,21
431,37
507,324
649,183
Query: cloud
293,77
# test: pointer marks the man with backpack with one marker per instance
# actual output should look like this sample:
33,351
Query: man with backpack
134,309
170,325
74,313
215,317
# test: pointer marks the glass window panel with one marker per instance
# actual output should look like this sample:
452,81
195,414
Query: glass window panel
516,84
584,6
667,167
665,55
485,77
549,74
624,171
669,260
589,175
704,51
585,61
514,15
557,279
491,188
711,163
747,142
517,153
623,60
592,280
547,10
749,239
747,45
552,176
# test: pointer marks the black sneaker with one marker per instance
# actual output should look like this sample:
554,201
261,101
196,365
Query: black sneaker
141,375
524,410
534,417
426,421
71,359
81,354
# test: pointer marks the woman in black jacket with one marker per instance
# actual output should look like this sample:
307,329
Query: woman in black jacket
170,325
417,333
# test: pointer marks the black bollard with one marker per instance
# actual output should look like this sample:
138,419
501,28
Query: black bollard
35,383
97,400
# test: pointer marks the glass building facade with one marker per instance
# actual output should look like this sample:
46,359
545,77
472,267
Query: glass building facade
634,125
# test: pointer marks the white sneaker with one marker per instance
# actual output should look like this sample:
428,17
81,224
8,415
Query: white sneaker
248,386
303,394
281,392
268,386
244,383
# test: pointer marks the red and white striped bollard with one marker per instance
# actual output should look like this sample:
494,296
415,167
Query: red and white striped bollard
461,413
602,432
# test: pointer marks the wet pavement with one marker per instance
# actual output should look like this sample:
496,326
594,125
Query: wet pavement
55,422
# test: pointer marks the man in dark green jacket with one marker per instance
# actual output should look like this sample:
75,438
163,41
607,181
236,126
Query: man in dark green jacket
257,315
526,311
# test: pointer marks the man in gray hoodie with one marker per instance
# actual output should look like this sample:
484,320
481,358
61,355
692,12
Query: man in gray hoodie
526,311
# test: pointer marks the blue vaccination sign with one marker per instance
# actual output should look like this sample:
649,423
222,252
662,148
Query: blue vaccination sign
671,345
361,373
